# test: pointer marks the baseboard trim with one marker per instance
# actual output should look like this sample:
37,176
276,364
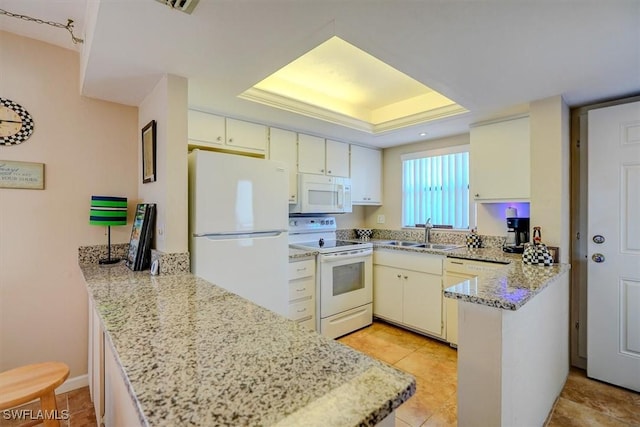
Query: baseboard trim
73,384
69,385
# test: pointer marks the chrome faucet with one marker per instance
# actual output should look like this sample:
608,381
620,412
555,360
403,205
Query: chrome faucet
427,231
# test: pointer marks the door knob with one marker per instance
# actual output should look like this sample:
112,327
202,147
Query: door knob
597,257
598,239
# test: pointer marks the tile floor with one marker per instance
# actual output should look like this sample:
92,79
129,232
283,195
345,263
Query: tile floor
76,403
583,402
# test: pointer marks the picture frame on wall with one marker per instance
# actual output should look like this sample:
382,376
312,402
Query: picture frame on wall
149,152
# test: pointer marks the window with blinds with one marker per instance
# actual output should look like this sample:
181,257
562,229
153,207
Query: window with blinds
435,184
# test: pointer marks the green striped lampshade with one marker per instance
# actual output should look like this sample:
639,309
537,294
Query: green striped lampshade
107,210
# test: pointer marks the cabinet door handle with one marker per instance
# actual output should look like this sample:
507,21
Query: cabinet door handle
477,195
302,310
399,276
406,277
300,290
230,140
301,269
328,171
322,170
219,138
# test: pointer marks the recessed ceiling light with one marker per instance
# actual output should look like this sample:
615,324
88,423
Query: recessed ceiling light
339,83
423,134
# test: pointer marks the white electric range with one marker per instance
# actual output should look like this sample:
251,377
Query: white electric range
344,271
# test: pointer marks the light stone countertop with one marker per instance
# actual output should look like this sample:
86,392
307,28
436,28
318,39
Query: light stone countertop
295,253
192,353
509,287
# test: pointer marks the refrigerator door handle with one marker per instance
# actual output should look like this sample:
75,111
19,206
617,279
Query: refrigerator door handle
240,234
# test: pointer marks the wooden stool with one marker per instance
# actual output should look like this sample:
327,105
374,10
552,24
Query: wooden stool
21,385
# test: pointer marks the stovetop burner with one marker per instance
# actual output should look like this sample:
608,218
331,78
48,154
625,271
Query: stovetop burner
319,234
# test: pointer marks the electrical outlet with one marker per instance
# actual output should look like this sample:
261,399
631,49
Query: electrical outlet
160,231
380,219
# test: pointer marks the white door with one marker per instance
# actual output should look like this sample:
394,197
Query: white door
613,337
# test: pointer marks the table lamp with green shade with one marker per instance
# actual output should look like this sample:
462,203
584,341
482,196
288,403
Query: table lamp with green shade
108,211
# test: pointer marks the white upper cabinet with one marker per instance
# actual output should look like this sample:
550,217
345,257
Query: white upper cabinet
315,155
245,136
500,161
209,130
206,129
337,158
366,176
283,146
311,154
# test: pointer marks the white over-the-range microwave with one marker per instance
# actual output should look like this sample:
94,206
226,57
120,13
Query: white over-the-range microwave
318,194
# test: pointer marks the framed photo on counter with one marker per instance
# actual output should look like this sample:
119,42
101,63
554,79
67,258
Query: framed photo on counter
139,255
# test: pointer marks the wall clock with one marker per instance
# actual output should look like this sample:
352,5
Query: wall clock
16,124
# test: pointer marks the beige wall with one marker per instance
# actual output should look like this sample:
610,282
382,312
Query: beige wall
167,105
88,147
351,220
550,172
392,180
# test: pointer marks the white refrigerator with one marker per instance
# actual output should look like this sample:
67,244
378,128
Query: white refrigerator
238,221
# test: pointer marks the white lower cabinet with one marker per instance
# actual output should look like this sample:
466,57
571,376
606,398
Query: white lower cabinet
388,292
451,306
96,362
111,400
302,292
457,271
407,290
119,409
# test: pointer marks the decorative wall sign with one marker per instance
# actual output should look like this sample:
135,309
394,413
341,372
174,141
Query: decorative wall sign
16,124
21,175
149,152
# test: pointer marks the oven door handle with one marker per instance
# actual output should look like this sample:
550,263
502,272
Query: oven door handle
335,257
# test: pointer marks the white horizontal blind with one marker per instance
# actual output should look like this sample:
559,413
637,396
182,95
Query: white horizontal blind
436,187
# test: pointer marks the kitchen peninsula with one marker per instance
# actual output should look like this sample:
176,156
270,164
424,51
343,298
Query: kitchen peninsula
513,320
190,353
513,349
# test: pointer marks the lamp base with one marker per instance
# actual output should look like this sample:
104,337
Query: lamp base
109,261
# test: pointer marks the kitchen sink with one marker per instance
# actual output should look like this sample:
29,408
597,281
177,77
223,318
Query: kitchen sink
440,246
401,243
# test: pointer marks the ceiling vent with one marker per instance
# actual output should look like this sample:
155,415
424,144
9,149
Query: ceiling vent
185,6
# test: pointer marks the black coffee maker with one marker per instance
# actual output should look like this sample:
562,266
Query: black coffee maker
517,235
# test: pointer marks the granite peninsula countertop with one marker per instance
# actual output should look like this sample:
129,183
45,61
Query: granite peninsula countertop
508,287
192,353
